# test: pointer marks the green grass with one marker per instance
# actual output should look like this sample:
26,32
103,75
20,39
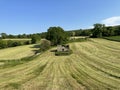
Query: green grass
93,65
113,38
11,63
63,53
14,85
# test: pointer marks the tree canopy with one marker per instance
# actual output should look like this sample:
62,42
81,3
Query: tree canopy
45,45
35,38
97,31
56,35
3,35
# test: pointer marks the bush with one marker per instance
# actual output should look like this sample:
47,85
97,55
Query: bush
63,53
27,42
10,43
16,43
13,43
45,45
35,39
3,44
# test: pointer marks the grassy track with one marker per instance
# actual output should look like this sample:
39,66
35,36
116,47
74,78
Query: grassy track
94,65
17,52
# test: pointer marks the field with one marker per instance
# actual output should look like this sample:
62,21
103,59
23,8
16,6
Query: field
94,65
113,38
27,39
78,37
17,52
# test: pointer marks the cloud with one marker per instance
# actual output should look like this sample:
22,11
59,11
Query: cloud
112,21
90,27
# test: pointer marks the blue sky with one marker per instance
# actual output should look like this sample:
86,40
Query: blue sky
35,16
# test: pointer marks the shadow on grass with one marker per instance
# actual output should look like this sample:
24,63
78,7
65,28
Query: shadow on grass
53,50
14,85
36,46
14,62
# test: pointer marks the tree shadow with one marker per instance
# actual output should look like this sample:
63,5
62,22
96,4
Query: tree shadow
36,46
36,51
53,50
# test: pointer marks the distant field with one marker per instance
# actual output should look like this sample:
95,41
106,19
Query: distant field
18,39
77,37
17,52
94,65
113,38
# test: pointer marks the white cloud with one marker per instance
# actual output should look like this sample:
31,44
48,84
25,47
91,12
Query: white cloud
112,21
90,27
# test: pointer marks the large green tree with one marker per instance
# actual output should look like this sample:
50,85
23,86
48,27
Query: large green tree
117,30
35,38
97,30
56,35
3,35
110,31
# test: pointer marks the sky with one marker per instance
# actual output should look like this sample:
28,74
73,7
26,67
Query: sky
36,16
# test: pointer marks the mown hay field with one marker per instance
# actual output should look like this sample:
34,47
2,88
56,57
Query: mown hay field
24,39
17,52
94,65
78,37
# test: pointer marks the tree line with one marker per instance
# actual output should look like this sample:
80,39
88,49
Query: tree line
99,30
11,43
57,35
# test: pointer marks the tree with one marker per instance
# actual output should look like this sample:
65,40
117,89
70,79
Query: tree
35,39
56,35
97,30
110,31
73,34
16,43
43,35
11,36
45,45
10,43
3,44
3,35
117,30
